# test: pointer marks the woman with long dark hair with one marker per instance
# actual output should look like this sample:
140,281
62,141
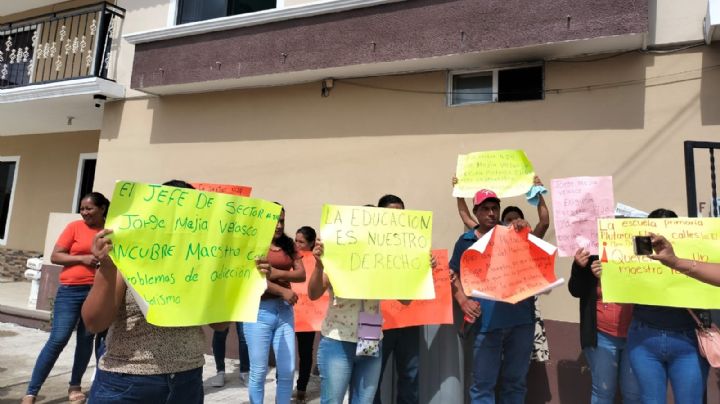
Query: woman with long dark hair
276,321
73,252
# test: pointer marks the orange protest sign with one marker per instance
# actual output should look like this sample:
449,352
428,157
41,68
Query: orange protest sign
309,314
421,312
509,266
238,190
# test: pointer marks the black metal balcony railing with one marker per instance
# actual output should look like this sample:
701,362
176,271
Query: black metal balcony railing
72,44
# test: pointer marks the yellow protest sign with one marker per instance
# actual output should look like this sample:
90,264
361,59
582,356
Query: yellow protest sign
629,278
377,253
507,172
189,255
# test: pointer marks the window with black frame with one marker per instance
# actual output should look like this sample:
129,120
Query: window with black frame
87,179
200,10
497,85
7,178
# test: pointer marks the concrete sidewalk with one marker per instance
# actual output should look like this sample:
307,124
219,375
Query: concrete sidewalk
20,346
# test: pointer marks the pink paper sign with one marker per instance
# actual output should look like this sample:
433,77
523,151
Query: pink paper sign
577,204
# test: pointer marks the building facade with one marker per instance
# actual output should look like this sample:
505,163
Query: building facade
56,73
343,101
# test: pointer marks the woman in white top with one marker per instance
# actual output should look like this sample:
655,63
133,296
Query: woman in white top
340,366
346,361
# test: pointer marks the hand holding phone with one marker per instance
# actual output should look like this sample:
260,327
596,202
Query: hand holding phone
642,245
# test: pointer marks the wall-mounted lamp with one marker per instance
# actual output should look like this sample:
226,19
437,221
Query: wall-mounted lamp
327,85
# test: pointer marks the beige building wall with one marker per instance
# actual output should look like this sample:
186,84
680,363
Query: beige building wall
140,16
626,116
673,21
46,181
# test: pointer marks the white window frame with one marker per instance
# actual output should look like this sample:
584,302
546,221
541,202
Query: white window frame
78,178
173,11
16,160
495,83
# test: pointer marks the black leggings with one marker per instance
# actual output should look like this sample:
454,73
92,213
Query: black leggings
305,342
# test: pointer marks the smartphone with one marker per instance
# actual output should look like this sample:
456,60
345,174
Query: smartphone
642,245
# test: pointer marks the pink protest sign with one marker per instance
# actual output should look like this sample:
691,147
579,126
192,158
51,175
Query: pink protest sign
577,204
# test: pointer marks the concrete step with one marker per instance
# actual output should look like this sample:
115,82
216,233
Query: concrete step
38,319
14,308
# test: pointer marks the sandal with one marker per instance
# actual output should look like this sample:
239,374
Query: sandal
75,395
28,399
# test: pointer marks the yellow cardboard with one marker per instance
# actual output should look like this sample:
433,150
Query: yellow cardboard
378,253
189,254
507,172
629,278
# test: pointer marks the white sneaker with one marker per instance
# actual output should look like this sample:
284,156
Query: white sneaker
244,377
218,380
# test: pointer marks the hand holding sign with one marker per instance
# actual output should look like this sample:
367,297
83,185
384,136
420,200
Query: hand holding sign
102,245
263,265
508,265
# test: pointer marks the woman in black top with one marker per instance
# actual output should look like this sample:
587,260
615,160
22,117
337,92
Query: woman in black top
663,347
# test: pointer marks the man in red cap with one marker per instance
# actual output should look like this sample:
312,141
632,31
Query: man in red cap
504,332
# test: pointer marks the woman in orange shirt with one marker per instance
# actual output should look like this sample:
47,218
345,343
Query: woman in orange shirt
72,251
305,242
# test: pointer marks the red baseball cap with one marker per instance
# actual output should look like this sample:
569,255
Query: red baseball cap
485,195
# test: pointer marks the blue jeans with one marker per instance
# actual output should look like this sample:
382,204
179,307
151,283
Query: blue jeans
657,354
175,388
218,347
609,362
341,369
405,344
505,352
275,325
66,316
